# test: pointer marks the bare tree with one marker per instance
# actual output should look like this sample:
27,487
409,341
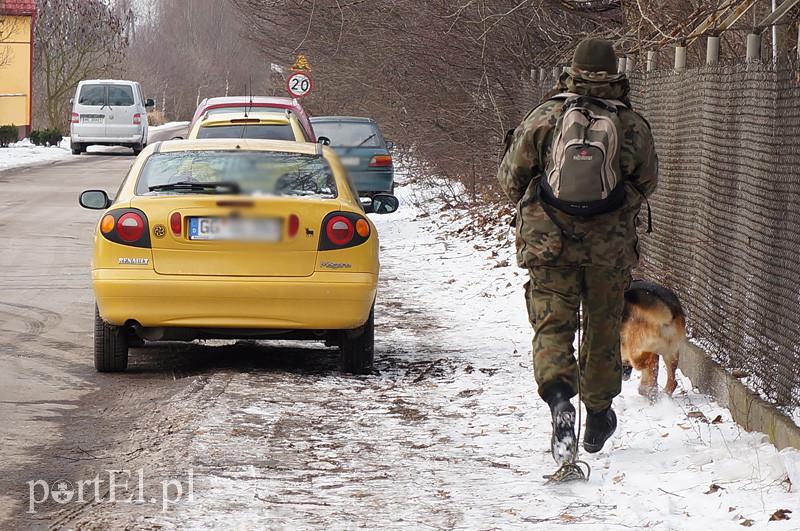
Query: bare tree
74,41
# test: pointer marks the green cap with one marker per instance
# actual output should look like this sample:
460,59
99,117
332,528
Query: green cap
594,54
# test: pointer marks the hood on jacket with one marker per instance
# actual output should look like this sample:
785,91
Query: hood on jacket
597,84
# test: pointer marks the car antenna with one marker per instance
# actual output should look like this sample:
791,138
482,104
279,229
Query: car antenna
249,107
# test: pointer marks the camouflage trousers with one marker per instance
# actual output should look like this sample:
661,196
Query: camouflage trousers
554,295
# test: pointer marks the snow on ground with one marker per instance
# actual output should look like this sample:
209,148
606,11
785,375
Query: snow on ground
24,153
450,433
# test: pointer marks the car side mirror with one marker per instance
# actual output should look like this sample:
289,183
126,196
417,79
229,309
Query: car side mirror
71,101
324,140
149,102
389,145
384,204
94,200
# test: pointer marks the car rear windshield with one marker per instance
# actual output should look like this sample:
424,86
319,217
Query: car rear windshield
349,134
92,95
120,95
255,172
260,131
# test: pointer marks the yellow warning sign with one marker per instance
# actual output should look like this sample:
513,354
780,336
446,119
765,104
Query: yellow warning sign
301,64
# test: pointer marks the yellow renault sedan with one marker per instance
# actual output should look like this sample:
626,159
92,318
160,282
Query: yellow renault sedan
235,239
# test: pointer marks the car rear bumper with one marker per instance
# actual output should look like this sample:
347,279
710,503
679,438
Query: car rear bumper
372,181
322,301
77,138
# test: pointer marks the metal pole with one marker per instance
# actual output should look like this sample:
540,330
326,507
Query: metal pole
630,63
680,58
774,37
712,51
651,60
753,47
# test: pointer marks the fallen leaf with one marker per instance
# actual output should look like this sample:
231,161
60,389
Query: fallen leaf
665,435
780,514
738,373
746,523
714,488
731,509
697,415
618,478
567,517
684,427
717,420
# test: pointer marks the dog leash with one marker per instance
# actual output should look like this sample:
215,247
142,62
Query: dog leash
573,468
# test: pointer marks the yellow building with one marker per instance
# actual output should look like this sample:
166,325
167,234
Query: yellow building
16,63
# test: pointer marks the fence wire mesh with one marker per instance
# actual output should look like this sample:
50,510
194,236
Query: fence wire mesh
726,214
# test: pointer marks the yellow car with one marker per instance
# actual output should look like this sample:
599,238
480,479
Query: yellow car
264,125
235,239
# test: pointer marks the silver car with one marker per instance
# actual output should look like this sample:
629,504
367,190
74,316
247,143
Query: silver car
109,112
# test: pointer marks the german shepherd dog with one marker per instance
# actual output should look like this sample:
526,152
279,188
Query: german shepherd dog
653,323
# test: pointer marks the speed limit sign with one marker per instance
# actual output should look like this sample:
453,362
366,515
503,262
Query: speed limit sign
299,84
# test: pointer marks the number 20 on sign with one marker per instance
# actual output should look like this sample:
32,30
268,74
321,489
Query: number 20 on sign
299,84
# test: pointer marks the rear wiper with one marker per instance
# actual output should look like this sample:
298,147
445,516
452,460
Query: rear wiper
370,137
219,187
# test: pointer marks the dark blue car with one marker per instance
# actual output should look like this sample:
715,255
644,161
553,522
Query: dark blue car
363,151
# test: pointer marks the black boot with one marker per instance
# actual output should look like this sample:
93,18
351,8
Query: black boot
599,427
563,442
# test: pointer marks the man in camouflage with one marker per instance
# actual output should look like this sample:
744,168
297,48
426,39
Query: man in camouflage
578,260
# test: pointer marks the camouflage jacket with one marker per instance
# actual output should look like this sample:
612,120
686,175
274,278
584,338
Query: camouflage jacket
608,239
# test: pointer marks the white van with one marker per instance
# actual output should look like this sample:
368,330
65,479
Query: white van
109,112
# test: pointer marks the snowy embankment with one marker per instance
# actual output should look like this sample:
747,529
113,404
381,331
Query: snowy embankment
24,153
681,463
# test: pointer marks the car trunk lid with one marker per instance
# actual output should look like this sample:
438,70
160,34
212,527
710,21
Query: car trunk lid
283,253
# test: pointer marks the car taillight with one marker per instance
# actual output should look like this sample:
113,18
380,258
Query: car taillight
339,230
137,119
130,227
380,161
343,229
76,118
175,223
294,225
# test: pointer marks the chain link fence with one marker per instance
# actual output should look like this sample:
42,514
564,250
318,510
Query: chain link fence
726,214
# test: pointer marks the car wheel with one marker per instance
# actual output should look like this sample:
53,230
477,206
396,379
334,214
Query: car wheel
110,346
358,348
137,148
77,149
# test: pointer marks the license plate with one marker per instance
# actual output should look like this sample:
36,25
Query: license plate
91,119
242,229
350,161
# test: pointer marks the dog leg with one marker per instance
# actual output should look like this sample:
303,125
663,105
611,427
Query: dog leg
672,366
648,385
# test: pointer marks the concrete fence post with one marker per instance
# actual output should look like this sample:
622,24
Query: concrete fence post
712,51
621,62
753,47
651,60
556,72
680,58
630,64
542,74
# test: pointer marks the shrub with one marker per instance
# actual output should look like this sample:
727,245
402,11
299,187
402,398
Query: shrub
44,137
8,134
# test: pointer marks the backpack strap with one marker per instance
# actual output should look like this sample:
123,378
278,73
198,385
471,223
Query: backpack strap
550,214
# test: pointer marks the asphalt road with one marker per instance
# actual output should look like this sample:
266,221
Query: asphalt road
181,418
45,318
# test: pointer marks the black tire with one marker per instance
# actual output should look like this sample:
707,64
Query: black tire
137,148
357,353
77,149
110,346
